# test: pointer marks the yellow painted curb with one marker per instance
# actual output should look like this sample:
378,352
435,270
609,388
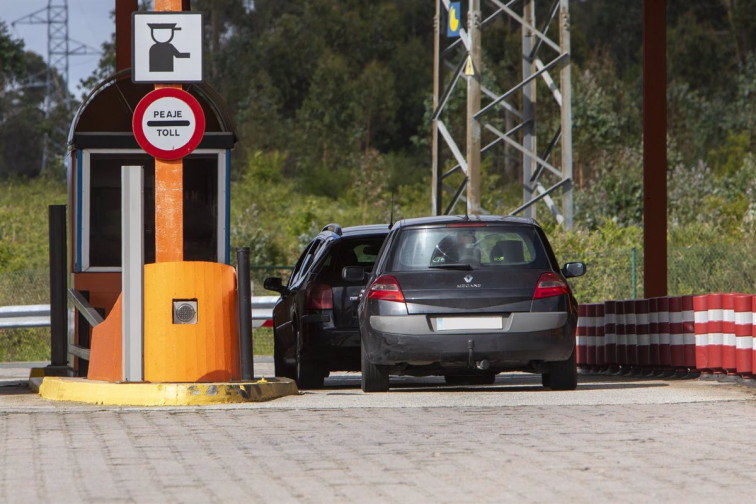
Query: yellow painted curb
161,394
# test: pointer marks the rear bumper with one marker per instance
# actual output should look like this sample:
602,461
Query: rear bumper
525,339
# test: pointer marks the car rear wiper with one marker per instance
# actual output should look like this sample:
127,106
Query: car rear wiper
452,266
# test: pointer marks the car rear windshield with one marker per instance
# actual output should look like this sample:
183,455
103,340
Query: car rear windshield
488,246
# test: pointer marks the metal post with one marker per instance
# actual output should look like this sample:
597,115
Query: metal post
58,289
529,165
132,271
244,296
473,106
435,167
566,117
654,149
123,10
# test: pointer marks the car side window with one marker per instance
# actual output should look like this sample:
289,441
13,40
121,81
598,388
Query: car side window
303,264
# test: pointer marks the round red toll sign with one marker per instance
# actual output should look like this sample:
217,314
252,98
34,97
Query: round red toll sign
168,123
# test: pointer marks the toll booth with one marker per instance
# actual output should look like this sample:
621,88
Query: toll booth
101,141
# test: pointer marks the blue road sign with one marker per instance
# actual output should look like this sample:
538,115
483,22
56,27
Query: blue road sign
453,25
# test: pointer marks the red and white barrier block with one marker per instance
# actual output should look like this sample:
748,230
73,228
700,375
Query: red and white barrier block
743,309
711,333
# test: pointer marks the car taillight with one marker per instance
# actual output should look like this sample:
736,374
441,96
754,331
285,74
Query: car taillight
550,284
319,297
386,288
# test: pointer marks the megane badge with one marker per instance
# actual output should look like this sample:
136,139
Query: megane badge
467,284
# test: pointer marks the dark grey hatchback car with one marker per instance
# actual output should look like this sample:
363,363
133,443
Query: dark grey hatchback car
315,320
467,298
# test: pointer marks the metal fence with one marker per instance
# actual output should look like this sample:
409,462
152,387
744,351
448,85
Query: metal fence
695,269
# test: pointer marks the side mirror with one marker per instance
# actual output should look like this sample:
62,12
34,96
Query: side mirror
573,269
274,284
353,273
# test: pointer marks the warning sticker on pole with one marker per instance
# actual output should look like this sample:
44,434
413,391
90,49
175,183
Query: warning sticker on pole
168,123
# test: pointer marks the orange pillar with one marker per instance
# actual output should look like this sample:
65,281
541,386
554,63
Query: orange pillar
169,210
169,188
169,5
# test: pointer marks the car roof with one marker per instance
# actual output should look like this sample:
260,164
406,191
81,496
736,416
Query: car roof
353,231
456,219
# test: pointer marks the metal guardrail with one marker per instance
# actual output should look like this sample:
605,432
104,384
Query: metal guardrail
14,317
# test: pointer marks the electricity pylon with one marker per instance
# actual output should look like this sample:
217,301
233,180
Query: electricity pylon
501,118
59,48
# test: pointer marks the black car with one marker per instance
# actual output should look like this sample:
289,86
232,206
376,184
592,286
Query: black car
315,327
467,298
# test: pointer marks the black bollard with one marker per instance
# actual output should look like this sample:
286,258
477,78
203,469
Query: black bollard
245,313
58,291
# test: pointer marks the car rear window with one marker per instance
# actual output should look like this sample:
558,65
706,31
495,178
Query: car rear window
353,252
488,246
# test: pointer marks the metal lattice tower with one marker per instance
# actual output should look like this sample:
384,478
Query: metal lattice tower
502,120
59,48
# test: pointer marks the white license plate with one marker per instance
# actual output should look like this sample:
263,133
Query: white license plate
461,323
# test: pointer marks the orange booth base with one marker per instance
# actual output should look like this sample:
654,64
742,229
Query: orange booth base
207,351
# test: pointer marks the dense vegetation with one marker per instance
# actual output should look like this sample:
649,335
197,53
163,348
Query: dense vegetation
332,98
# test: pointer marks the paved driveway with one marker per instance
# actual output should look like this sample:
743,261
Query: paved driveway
614,439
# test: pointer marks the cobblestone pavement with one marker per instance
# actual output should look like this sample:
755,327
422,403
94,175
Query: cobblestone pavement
614,439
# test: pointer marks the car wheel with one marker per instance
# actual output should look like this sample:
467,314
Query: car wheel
562,375
279,363
478,379
545,379
374,378
309,375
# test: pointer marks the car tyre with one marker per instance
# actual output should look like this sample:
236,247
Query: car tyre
562,375
374,378
309,375
279,363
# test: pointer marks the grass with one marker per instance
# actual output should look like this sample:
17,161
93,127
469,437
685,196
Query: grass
24,345
262,341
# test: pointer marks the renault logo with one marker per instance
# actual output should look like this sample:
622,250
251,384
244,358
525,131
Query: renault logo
468,278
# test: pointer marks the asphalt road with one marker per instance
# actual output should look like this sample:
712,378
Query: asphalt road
617,439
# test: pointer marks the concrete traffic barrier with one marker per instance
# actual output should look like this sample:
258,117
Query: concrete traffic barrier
642,329
677,335
682,335
701,328
753,334
743,306
664,358
631,335
653,330
580,336
714,325
729,363
600,337
689,332
621,337
590,333
610,335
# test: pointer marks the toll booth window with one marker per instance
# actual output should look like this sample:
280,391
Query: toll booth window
105,207
201,208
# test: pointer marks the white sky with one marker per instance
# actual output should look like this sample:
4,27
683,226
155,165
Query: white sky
89,23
